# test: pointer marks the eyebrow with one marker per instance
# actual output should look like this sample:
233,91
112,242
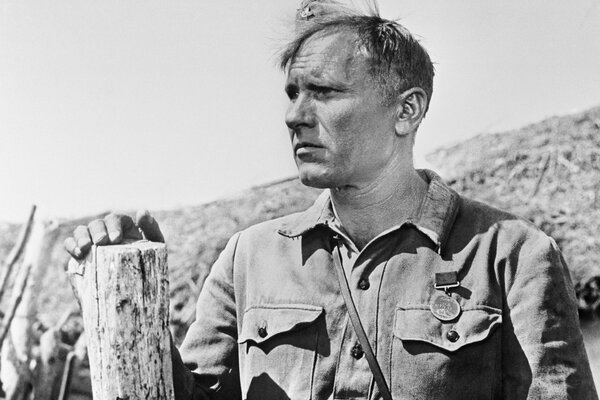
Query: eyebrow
336,86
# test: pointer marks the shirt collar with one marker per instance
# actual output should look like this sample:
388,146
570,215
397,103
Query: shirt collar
435,217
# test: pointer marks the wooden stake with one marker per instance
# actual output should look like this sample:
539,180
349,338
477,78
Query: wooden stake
16,250
18,373
124,296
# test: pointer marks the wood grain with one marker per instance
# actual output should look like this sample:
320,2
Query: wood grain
124,296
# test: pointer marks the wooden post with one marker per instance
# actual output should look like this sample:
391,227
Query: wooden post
124,296
14,254
17,358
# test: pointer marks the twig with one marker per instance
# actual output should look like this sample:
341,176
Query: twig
16,251
517,169
16,300
65,383
545,162
76,355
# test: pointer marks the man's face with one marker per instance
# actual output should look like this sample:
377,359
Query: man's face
342,134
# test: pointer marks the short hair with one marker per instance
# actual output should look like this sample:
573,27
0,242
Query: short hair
397,60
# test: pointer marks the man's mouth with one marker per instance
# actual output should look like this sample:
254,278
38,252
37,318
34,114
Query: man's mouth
303,146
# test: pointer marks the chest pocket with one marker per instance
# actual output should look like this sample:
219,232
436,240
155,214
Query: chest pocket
278,348
472,326
430,357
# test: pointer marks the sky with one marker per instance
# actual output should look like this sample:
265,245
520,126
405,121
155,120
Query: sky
117,105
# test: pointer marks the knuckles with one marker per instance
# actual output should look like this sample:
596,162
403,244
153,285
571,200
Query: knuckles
114,228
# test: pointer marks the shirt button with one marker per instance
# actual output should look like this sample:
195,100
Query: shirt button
262,332
363,284
452,336
357,351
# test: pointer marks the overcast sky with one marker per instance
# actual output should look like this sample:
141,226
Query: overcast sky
126,104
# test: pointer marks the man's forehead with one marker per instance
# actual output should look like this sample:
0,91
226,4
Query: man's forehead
328,53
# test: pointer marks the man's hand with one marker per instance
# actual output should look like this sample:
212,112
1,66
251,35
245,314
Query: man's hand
113,229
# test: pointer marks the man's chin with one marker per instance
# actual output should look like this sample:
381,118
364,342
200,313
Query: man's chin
319,181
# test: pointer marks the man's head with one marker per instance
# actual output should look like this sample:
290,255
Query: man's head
397,61
351,117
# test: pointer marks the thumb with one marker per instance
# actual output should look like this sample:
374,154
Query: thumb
149,226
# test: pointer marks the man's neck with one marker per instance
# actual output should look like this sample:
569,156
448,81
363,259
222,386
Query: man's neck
368,210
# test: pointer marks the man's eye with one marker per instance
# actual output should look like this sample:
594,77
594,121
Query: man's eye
322,90
292,92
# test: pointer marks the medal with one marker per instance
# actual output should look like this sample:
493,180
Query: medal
443,306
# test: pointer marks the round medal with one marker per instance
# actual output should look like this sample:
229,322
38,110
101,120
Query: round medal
445,308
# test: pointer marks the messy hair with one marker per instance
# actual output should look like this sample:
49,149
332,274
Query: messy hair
397,61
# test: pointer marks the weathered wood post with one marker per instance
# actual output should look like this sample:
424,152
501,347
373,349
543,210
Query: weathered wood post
124,297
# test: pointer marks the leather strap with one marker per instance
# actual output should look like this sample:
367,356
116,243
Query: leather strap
356,323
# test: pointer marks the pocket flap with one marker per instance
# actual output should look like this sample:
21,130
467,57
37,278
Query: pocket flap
473,325
265,321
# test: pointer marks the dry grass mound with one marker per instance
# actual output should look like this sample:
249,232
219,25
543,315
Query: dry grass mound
548,172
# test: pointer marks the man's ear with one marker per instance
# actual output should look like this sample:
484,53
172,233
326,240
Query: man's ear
410,110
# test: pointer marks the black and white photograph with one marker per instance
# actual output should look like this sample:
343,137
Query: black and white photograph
299,199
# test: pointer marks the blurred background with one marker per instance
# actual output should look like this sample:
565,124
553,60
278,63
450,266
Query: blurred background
178,107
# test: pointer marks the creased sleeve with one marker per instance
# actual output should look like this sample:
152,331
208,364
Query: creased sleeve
543,354
207,368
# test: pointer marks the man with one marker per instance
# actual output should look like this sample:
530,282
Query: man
457,300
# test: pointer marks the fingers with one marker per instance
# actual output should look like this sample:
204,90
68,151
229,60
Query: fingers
130,229
113,229
81,234
72,249
98,232
84,236
121,227
149,226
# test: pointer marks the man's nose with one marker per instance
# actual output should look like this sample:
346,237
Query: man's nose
300,113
